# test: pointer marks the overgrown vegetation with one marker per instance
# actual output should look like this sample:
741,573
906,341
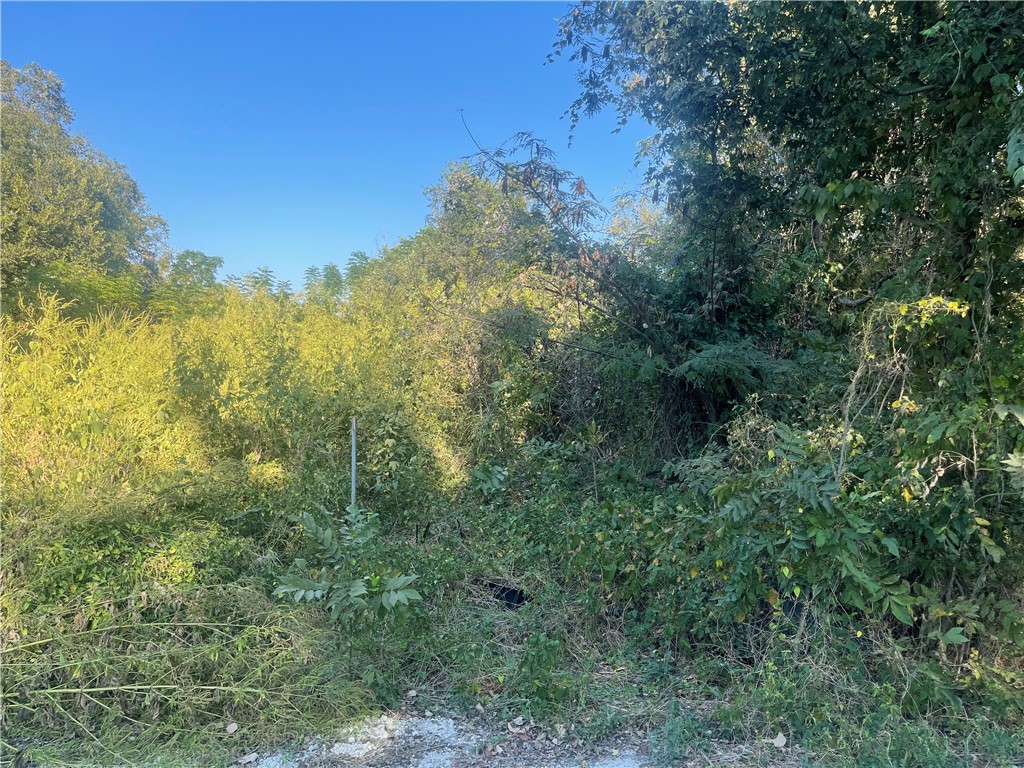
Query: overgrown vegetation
750,462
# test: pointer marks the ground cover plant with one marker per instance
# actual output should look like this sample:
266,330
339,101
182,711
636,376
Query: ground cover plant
749,462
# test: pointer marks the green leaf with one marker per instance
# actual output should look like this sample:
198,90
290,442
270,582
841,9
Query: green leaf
955,636
1003,410
901,612
399,582
936,433
1015,155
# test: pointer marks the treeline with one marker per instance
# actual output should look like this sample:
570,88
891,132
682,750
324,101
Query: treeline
785,392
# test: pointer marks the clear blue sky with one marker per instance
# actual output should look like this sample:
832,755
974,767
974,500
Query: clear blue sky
291,134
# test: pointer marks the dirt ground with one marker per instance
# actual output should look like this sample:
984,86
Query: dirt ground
408,740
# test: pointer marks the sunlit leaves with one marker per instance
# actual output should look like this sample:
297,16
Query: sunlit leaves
64,202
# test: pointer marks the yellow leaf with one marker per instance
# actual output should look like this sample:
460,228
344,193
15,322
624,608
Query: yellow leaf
772,598
718,563
903,309
693,573
907,495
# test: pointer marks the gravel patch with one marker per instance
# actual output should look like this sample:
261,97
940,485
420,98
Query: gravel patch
405,740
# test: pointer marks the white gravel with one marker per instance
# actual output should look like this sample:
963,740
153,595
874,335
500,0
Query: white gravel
407,741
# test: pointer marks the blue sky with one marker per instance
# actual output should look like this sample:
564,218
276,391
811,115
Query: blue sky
291,134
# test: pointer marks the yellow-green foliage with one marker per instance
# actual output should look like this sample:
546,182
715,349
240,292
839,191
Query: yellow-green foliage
150,459
89,424
820,352
100,465
145,472
125,537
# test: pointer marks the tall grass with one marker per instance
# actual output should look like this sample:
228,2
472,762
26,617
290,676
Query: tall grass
143,523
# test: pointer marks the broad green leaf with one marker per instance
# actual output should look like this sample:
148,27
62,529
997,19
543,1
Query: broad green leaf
1002,410
937,432
954,636
901,612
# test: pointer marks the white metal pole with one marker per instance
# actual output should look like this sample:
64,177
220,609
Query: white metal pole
353,461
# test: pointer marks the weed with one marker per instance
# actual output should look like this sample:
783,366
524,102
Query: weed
682,732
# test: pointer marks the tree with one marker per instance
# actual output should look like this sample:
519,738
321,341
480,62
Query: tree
843,181
887,123
187,284
69,212
325,287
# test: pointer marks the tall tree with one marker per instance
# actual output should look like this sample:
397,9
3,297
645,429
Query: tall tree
67,208
845,183
876,132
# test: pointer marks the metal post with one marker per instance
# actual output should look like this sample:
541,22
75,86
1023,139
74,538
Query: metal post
353,503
